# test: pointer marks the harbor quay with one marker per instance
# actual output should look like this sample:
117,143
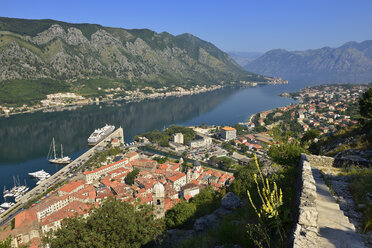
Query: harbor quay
59,176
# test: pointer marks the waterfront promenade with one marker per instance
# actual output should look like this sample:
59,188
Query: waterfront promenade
59,176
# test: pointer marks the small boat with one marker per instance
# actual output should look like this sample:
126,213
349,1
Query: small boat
2,210
18,198
52,155
7,205
40,180
7,193
39,174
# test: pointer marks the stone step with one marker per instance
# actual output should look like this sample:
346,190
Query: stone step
335,229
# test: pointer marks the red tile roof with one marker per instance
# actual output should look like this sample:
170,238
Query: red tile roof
163,166
130,155
176,177
228,128
196,182
188,197
72,186
25,217
75,207
103,167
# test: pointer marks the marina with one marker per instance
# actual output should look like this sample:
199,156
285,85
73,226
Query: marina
59,176
17,191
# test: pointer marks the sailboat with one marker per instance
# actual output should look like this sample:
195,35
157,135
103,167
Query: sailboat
52,155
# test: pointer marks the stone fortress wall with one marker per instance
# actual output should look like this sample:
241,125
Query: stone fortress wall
306,229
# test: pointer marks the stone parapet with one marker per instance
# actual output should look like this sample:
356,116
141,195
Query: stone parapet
306,230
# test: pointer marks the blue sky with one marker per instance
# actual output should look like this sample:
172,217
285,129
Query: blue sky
232,25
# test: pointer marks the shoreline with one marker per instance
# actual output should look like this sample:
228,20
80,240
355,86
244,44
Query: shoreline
165,95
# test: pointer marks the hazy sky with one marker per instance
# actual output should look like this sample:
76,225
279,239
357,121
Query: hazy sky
232,25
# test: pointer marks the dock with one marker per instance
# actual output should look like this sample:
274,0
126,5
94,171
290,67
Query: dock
59,176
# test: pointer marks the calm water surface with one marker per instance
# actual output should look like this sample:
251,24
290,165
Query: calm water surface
25,139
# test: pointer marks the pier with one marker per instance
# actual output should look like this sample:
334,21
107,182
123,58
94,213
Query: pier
59,176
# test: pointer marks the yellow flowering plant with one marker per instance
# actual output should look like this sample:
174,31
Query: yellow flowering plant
268,210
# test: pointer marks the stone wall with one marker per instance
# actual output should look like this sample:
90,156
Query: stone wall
306,229
323,161
320,161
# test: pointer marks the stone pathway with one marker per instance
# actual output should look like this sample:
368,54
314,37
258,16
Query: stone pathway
335,230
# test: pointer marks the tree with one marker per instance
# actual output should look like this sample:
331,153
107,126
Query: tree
6,243
114,224
206,201
243,180
310,135
287,153
129,179
179,214
225,162
365,104
161,160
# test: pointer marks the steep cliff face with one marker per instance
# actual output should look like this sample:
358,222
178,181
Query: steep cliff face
351,62
34,49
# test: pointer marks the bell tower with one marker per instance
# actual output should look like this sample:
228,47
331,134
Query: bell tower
158,196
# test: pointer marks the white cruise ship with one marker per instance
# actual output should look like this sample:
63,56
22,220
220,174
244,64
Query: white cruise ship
100,133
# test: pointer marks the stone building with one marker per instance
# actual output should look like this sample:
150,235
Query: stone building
158,196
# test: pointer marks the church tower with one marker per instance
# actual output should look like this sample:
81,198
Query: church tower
158,196
188,176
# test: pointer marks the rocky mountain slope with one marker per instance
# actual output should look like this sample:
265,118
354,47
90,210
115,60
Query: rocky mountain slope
350,62
48,49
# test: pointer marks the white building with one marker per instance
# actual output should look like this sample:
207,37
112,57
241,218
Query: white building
202,140
178,138
228,133
93,175
178,180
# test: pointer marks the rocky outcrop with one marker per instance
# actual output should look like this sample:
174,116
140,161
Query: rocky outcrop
306,229
229,203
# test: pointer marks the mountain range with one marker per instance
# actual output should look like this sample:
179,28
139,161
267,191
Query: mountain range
351,62
244,58
66,55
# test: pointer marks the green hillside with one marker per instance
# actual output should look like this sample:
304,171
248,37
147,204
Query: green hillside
72,54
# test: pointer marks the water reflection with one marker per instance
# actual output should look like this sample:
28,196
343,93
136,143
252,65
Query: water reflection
25,137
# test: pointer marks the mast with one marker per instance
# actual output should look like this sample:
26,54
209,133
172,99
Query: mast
14,182
54,148
61,151
50,150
